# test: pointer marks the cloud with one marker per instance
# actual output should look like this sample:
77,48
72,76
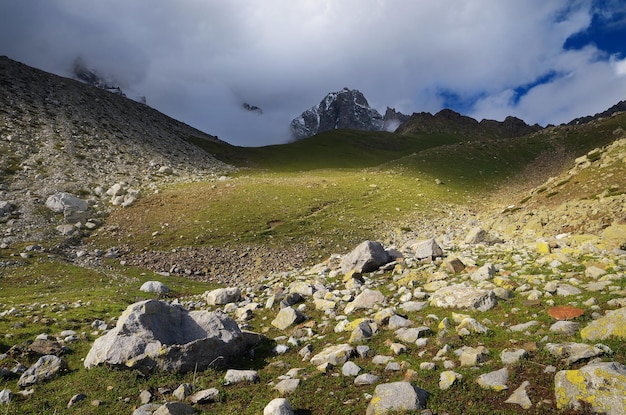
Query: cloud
199,60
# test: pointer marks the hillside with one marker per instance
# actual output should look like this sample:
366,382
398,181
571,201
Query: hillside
494,271
57,134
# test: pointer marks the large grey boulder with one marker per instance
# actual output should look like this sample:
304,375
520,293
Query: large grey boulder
366,257
461,296
395,397
60,202
74,209
154,287
154,334
602,385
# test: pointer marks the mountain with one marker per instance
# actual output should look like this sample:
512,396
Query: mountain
345,109
451,122
81,72
619,107
61,135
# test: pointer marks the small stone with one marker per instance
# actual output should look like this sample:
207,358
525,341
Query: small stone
287,386
448,378
520,397
145,396
234,376
495,380
183,391
205,396
365,379
350,369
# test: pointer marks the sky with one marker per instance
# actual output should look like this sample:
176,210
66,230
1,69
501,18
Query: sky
198,61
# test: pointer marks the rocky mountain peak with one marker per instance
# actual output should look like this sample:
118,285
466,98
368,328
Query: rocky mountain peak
347,108
82,72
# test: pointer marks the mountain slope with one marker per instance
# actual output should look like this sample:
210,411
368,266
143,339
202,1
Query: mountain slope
58,134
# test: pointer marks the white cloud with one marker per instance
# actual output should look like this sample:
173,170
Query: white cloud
198,60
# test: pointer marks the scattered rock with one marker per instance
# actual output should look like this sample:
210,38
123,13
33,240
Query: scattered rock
495,380
601,385
461,296
612,324
366,257
234,376
154,287
396,396
223,296
205,396
278,406
520,396
46,368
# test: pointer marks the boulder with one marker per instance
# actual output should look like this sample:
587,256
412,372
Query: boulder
154,287
601,385
396,397
572,352
495,380
366,257
61,202
222,296
46,368
234,376
366,300
278,406
154,334
461,296
205,396
175,408
612,324
476,235
335,355
286,317
426,249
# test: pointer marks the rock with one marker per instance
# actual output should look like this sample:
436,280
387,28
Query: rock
396,396
410,335
62,202
147,409
287,386
461,296
484,273
335,355
572,352
612,324
350,369
5,396
366,300
301,287
471,356
453,265
512,356
145,396
568,328
154,287
46,368
223,296
278,406
174,408
286,317
396,322
237,376
520,396
76,398
565,290
154,334
476,235
495,380
601,385
365,379
426,249
205,396
183,391
447,378
366,257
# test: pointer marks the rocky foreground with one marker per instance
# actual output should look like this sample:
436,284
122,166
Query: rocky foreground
387,318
